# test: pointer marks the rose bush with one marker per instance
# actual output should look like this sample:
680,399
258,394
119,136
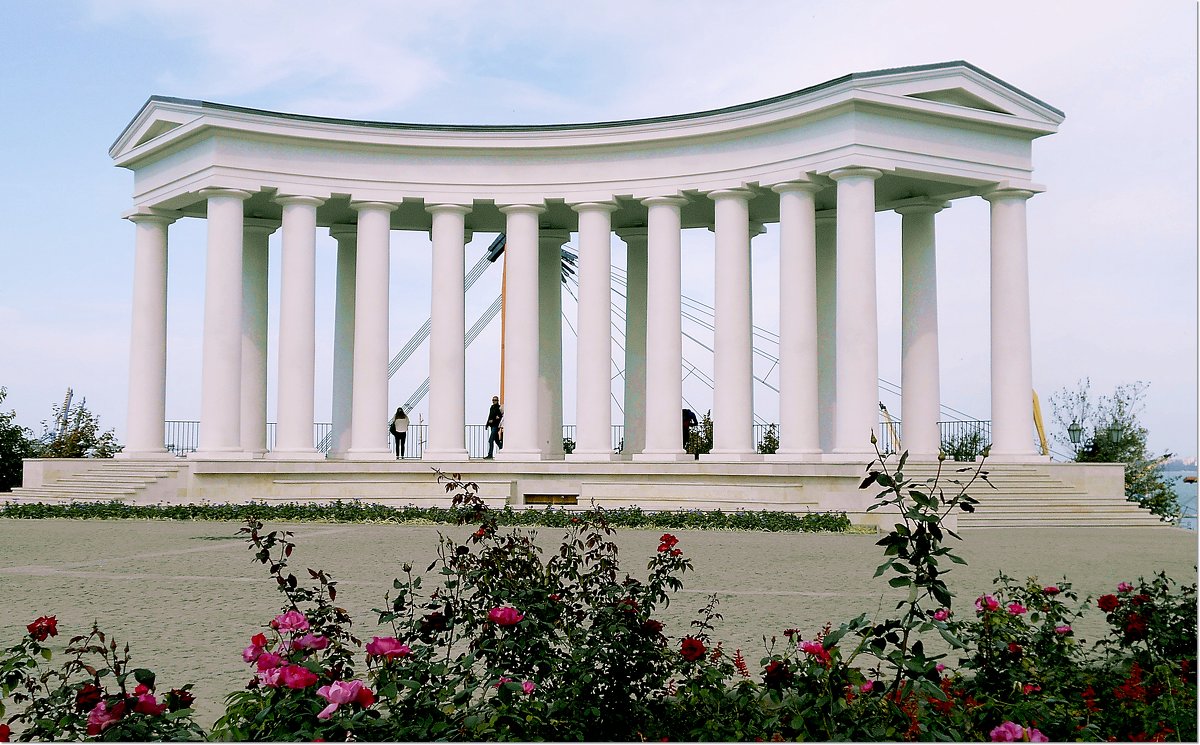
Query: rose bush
495,641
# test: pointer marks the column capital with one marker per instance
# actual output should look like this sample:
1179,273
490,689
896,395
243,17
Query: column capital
441,207
218,191
798,185
286,199
1008,193
520,209
343,230
665,200
595,207
633,233
743,194
259,225
922,207
855,171
369,205
152,215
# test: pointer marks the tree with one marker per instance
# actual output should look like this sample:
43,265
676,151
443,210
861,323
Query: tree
700,439
1110,432
16,444
77,435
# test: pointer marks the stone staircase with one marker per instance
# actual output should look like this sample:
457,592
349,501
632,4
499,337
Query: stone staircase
106,481
1031,496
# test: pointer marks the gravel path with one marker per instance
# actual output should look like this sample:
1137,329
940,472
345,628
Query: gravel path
187,596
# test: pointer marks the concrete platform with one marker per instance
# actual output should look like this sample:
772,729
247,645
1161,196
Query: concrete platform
1014,495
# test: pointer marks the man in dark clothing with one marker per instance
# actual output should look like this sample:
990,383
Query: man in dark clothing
495,416
689,420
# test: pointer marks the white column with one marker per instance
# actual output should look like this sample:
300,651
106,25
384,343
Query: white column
448,318
1012,355
733,394
635,339
857,319
664,338
297,330
799,427
256,233
550,384
148,340
827,330
343,338
369,407
520,334
221,367
593,394
919,369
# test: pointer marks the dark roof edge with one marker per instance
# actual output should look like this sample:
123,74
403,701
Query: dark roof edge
583,125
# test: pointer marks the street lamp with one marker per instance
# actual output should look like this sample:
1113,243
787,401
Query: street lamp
1075,432
1115,432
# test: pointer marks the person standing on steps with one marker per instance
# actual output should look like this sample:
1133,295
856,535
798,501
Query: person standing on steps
689,420
399,430
494,418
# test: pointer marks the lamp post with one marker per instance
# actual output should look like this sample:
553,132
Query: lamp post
1075,432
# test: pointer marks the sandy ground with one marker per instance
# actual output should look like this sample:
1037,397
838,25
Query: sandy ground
187,596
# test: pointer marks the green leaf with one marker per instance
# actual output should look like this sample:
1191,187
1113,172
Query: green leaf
899,581
951,639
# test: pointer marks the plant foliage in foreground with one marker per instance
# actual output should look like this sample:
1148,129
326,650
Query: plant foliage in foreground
364,512
496,641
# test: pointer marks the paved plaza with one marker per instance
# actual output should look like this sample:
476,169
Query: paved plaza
187,596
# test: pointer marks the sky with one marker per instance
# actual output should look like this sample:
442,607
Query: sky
1113,240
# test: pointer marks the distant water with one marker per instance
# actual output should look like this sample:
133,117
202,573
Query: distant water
1185,494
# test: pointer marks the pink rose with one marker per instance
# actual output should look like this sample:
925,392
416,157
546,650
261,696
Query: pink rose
1016,609
311,641
268,660
986,602
388,647
269,678
816,649
866,687
1124,587
293,620
502,681
251,653
147,704
1008,732
101,718
1064,629
1034,736
340,692
295,676
528,687
505,616
941,614
939,667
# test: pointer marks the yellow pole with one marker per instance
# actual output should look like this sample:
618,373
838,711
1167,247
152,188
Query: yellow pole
1037,421
891,427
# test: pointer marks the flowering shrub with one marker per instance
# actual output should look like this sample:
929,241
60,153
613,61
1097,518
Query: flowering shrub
508,644
95,693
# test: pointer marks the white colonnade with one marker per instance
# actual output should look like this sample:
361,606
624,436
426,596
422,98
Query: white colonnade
820,162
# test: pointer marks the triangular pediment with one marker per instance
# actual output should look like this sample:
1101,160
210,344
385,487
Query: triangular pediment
158,127
960,97
159,116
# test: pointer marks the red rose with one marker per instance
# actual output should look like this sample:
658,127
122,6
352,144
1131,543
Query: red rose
295,676
667,542
1051,590
365,697
1135,628
43,627
1108,603
88,696
1141,599
5,733
179,698
651,627
259,640
692,649
777,674
147,704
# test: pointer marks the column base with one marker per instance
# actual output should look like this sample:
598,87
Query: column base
163,454
378,455
732,456
1018,458
518,455
312,454
220,455
794,456
452,455
337,455
603,456
665,456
